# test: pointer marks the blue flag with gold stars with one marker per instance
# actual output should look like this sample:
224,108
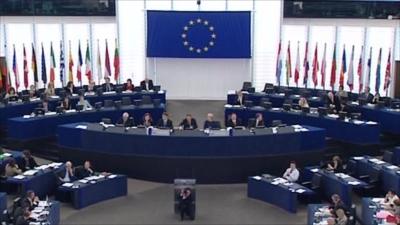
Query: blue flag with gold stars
183,34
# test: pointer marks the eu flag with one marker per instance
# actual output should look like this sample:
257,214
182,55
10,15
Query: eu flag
182,34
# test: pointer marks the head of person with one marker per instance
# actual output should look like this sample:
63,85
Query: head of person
50,85
70,84
233,116
292,165
30,194
330,221
91,85
32,88
341,88
210,117
336,159
188,117
125,116
259,116
11,162
391,193
27,154
147,117
335,198
107,80
367,89
330,94
11,91
165,116
68,165
187,191
87,164
129,82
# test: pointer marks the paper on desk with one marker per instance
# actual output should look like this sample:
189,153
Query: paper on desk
161,92
358,122
300,191
358,157
276,109
19,177
30,172
68,184
342,175
50,113
333,116
228,106
109,92
377,200
70,111
231,92
26,116
6,154
314,170
84,127
371,123
354,183
55,164
392,167
255,177
296,126
43,204
114,176
83,181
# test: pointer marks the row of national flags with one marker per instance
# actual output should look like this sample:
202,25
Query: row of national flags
52,71
319,70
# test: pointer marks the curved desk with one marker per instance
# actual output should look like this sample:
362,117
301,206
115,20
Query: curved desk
389,119
27,129
189,154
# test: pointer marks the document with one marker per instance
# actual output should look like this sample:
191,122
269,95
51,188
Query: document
68,185
114,176
255,177
300,191
19,177
358,122
371,123
109,92
314,170
84,127
354,183
70,111
392,167
7,154
30,172
83,181
231,92
228,106
358,158
27,116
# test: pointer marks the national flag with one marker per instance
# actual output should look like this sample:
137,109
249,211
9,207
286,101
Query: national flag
99,67
62,64
360,71
88,65
4,73
323,68
343,68
70,65
378,72
306,66
79,66
44,70
52,64
315,65
34,66
297,68
350,75
387,72
15,69
369,64
288,65
26,70
279,64
333,68
107,64
116,62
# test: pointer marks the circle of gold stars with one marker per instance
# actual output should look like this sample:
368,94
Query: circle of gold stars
197,49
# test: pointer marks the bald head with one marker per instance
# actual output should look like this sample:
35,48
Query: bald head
210,117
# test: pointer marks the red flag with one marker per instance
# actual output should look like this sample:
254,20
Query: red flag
343,68
306,66
359,71
26,70
333,69
116,62
107,63
387,74
297,68
278,65
315,66
79,66
288,65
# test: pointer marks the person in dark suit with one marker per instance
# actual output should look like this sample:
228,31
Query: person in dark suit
107,86
147,120
258,122
66,103
69,89
67,174
233,121
189,123
185,203
165,122
210,123
28,161
128,86
333,102
125,120
376,98
30,201
23,219
147,84
240,98
366,95
32,91
85,171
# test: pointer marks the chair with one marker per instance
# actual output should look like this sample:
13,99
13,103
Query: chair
248,103
156,102
388,156
137,89
146,100
246,86
276,123
108,103
118,104
106,120
266,104
316,182
285,130
352,215
126,101
268,86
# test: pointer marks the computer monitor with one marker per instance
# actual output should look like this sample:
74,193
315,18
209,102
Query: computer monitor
267,105
119,89
13,98
106,120
380,104
395,105
296,107
38,111
305,110
79,108
25,98
156,88
98,105
81,91
99,91
286,107
342,115
59,110
215,125
118,104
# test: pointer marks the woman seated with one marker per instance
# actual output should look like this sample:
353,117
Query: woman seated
390,198
32,91
258,121
376,98
28,162
147,120
12,168
50,91
66,103
91,87
128,86
83,102
11,93
69,89
336,165
233,121
303,103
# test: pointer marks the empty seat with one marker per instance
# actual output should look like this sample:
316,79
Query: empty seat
276,123
126,101
108,103
388,156
246,86
146,100
106,120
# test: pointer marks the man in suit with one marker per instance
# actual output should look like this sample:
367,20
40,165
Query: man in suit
85,171
147,85
333,102
125,120
258,122
185,203
240,98
24,218
30,201
67,174
367,95
107,86
233,121
189,123
292,173
210,123
165,122
28,162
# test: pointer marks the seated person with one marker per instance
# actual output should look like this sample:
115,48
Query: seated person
147,85
258,122
23,219
32,91
69,89
189,123
11,93
341,217
185,203
147,120
376,98
85,103
333,103
107,86
337,203
341,93
50,90
128,86
336,165
165,122
233,121
331,221
85,171
45,105
28,161
388,202
125,120
91,88
292,173
210,123
66,103
66,175
30,201
366,95
12,168
240,98
303,103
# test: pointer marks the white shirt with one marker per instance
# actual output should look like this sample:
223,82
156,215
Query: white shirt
291,175
66,177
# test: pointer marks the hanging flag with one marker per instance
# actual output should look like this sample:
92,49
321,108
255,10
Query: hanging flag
34,66
62,64
107,73
333,68
323,68
70,65
4,73
88,65
44,70
369,64
26,70
360,71
387,72
52,64
297,69
278,65
315,65
343,68
15,70
306,66
350,75
99,68
79,66
288,65
116,62
378,72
